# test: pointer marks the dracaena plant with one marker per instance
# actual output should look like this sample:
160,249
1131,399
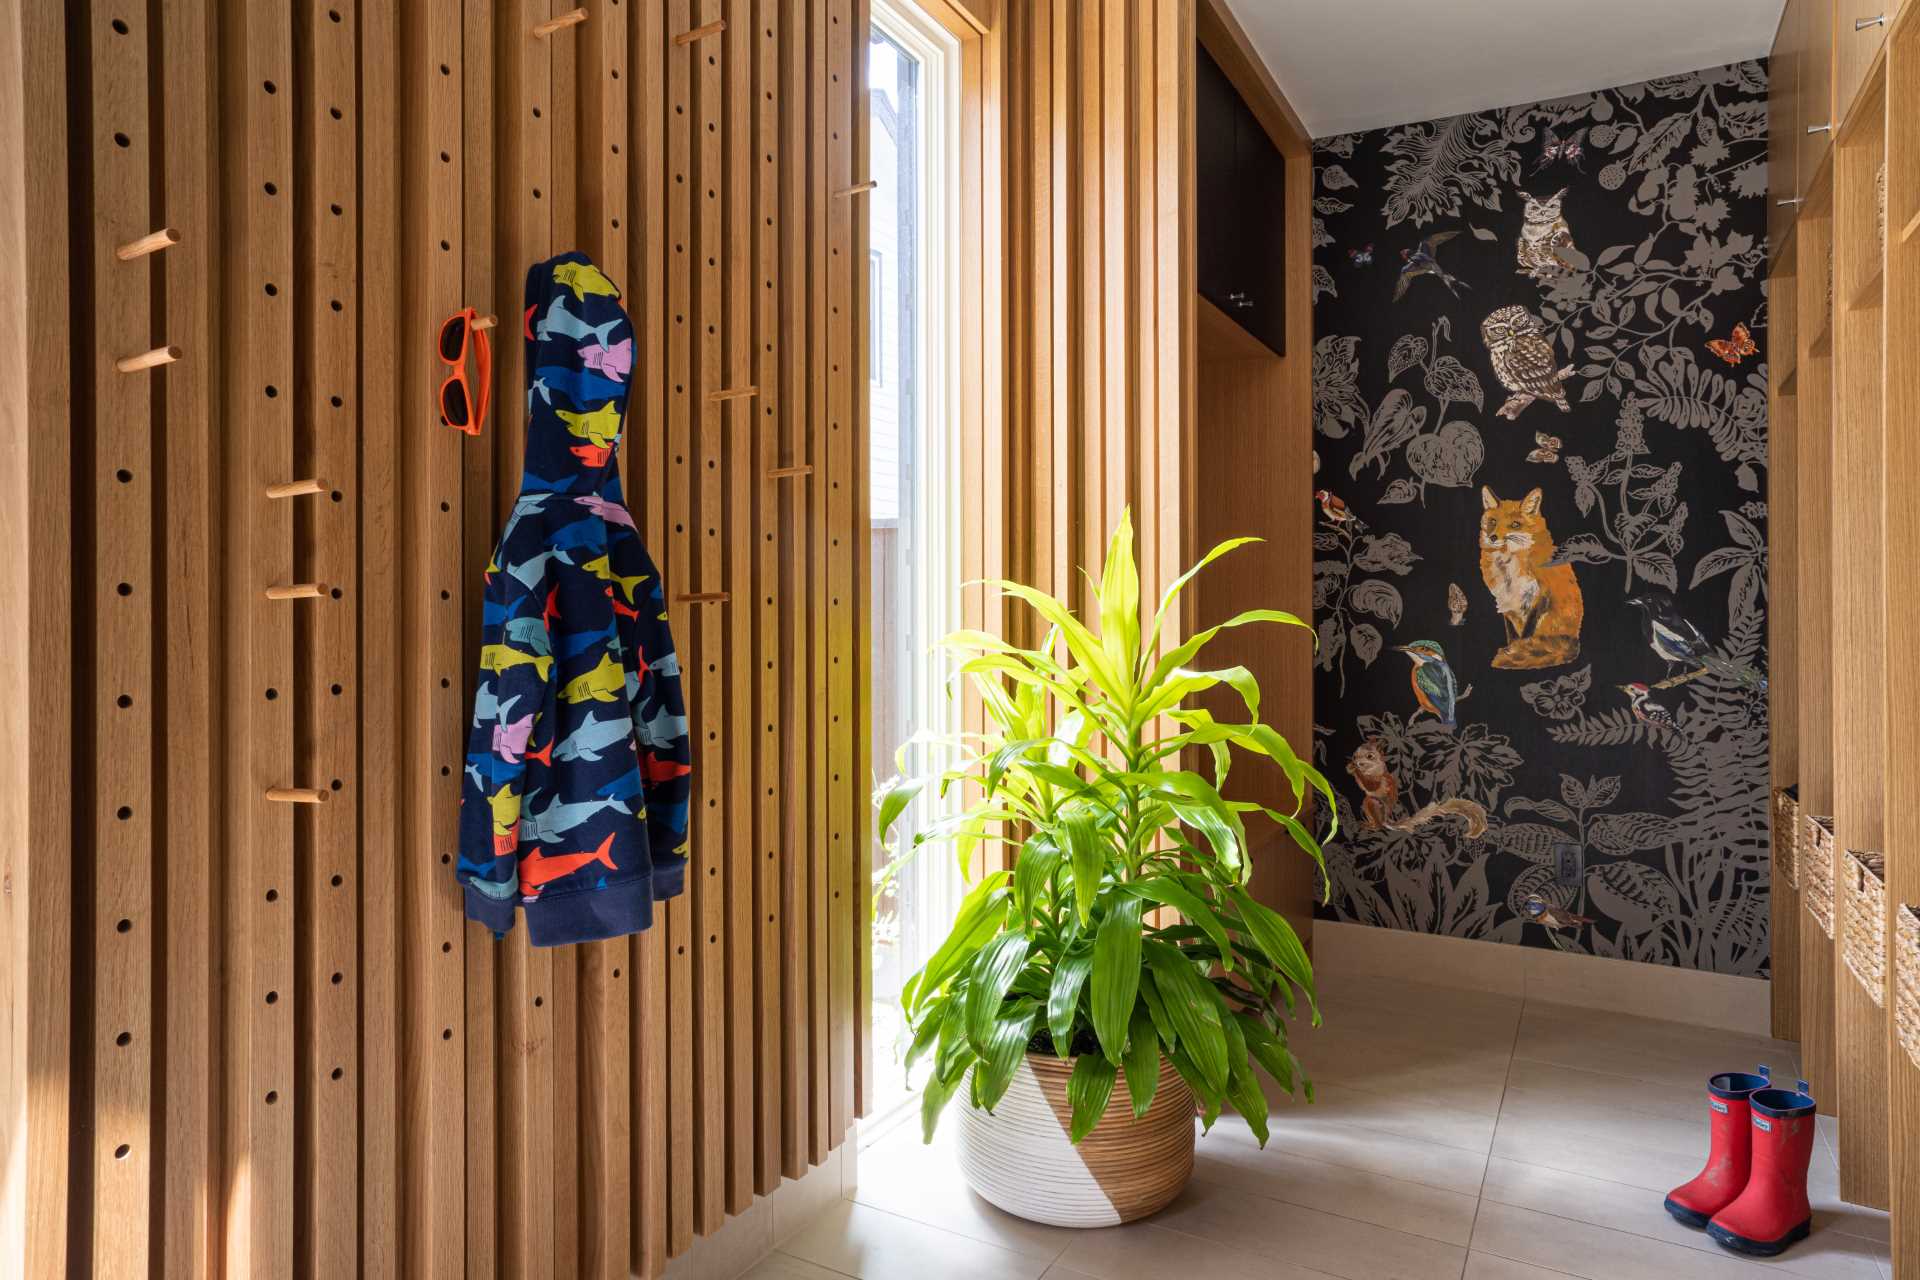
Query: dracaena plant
1083,769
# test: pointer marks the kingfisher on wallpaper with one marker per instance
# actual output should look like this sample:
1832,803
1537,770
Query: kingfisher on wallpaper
1645,709
1420,261
1434,687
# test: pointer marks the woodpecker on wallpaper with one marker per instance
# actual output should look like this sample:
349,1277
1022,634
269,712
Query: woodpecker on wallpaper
1540,542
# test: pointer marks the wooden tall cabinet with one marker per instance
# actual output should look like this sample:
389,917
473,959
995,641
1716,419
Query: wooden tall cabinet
1845,393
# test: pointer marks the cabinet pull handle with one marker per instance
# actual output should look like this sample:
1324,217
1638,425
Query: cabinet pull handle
1861,24
1240,300
1819,128
1791,200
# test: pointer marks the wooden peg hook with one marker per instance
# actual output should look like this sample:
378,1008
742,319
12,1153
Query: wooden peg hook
152,242
782,473
296,488
541,30
732,393
701,597
297,591
147,359
858,188
486,322
299,795
713,28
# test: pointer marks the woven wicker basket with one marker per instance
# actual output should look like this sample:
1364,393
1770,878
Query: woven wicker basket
1906,981
1018,1157
1786,834
1816,871
1863,921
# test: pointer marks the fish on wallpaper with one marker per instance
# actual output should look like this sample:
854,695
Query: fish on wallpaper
1523,360
1420,261
1545,248
1538,600
1380,803
1456,604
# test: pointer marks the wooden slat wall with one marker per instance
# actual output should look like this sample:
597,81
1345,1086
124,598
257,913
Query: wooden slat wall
248,1037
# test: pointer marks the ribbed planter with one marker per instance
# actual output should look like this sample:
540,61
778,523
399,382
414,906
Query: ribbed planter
1018,1157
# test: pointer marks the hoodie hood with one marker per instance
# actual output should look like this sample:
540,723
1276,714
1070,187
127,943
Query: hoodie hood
579,362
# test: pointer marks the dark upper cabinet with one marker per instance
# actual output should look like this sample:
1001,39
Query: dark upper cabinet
1240,194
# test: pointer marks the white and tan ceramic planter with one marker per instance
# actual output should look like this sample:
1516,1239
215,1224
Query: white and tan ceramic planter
1019,1159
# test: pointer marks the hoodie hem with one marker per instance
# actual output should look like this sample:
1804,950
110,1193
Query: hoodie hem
597,914
495,913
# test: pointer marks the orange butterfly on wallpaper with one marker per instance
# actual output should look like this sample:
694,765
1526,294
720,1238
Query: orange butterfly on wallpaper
1734,346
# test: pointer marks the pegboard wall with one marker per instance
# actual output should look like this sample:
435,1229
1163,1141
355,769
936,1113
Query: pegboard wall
250,1031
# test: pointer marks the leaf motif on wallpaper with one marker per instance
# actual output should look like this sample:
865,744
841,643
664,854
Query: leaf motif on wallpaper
1381,599
1409,350
1440,163
1335,178
1614,728
1631,832
1658,142
1582,548
1333,642
1594,793
1337,403
1330,205
1640,897
1449,457
1682,393
1322,282
1550,809
1746,560
1529,840
1401,490
1397,420
1472,762
1448,380
1319,239
1386,553
1561,697
1366,642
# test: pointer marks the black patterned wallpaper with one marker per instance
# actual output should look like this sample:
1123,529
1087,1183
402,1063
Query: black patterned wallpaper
1540,551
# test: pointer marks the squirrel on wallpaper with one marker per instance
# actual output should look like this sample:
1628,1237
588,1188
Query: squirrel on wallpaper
1382,799
1538,599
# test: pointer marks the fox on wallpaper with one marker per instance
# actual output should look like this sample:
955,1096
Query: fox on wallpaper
1539,600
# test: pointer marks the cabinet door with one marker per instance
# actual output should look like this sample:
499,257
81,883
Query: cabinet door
1261,172
1218,234
1783,127
1854,46
1816,85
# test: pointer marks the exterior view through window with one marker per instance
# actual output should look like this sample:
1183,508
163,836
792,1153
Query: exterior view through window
915,566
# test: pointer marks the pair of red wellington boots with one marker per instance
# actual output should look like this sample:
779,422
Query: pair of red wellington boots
1752,1196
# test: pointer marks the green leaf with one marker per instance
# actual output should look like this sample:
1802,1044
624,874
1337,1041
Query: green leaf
1180,655
1209,1095
927,1031
1143,1061
981,914
1157,1010
993,972
933,1100
1069,976
1170,893
1086,650
1185,683
1172,592
1193,1007
1116,975
1087,854
1006,1045
892,800
1273,935
1032,872
1243,1090
1120,598
1088,1089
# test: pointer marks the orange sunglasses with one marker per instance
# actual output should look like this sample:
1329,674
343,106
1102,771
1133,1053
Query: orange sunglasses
460,408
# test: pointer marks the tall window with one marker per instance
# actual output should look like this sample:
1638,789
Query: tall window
915,110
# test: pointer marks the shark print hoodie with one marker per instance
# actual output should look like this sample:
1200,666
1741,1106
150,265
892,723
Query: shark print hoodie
574,806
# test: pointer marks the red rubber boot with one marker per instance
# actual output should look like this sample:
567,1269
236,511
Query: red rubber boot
1728,1155
1773,1212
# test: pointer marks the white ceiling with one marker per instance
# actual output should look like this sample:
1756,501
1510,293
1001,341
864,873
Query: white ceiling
1350,65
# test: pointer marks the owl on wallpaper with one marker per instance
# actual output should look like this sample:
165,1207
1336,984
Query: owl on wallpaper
1523,359
1545,249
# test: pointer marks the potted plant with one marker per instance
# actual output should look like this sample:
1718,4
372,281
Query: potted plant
1085,999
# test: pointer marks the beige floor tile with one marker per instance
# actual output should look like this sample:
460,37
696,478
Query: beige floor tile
1682,1103
1827,1254
1469,1079
1309,1238
730,1252
871,1244
1373,1151
1066,1273
784,1266
1453,1118
1228,1158
1578,1116
1666,1053
1488,1266
1596,1253
1535,1136
901,1175
1146,1251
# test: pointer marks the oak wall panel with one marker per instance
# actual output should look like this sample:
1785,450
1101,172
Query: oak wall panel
252,1037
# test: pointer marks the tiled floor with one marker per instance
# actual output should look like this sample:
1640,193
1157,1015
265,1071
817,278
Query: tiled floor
1458,1134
